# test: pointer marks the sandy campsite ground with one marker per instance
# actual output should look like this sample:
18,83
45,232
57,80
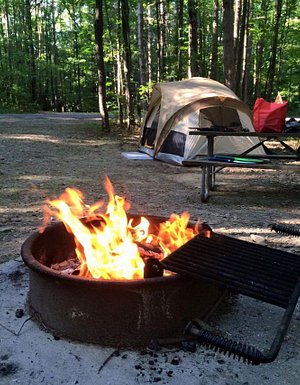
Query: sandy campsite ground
42,154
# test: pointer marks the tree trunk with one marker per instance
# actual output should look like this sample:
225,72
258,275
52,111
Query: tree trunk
98,24
149,46
56,98
179,39
141,44
31,51
202,42
120,84
248,63
120,73
241,48
228,44
77,70
160,31
193,39
259,51
127,63
9,69
272,66
141,103
236,27
214,44
286,30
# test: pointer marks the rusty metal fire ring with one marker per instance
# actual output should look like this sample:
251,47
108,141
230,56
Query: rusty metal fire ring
109,312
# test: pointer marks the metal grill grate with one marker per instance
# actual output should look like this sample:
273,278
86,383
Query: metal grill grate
256,271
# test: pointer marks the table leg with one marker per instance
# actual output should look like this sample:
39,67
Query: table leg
289,148
210,177
204,191
210,145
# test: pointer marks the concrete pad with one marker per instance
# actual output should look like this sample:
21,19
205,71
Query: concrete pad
31,356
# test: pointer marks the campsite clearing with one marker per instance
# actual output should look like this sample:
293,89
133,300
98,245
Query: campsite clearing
43,154
40,157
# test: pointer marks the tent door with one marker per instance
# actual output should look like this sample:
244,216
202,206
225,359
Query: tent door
150,132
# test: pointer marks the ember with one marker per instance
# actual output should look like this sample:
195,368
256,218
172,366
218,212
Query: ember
109,245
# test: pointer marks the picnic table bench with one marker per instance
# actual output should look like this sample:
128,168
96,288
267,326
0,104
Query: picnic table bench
210,167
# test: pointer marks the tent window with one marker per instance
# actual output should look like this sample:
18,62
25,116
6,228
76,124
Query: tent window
174,143
221,116
149,133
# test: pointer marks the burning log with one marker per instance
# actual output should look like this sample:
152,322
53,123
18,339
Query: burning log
111,244
151,256
153,268
69,266
149,253
147,250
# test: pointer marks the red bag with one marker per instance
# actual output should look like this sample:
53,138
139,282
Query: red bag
269,117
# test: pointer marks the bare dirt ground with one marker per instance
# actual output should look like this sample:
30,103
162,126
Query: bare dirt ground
42,154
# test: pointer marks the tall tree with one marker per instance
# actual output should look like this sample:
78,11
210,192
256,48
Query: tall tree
247,58
127,63
31,51
228,44
9,67
120,72
260,49
240,49
141,43
161,39
214,42
100,64
193,40
237,7
272,66
149,45
179,39
56,99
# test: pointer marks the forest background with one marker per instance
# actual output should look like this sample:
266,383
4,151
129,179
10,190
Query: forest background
106,55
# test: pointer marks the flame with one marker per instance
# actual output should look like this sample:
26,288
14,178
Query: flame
108,244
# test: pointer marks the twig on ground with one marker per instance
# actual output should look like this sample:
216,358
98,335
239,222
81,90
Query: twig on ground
19,331
115,353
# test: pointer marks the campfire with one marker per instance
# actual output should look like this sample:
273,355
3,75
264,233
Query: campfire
96,275
110,244
114,312
86,276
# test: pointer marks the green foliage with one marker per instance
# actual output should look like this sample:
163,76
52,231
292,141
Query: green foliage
47,52
145,89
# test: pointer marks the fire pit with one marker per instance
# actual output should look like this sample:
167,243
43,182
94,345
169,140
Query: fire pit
109,312
111,278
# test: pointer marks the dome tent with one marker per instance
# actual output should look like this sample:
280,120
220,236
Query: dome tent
199,102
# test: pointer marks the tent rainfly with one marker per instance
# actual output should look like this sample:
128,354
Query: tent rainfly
198,102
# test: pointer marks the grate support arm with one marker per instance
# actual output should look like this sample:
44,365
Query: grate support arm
248,353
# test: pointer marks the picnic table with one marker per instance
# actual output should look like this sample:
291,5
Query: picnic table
212,164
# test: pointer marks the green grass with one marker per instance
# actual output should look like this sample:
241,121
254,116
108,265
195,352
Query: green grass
18,110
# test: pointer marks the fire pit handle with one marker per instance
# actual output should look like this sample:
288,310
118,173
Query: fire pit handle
248,353
283,228
239,350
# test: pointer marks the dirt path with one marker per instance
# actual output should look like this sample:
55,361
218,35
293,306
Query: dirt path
41,155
